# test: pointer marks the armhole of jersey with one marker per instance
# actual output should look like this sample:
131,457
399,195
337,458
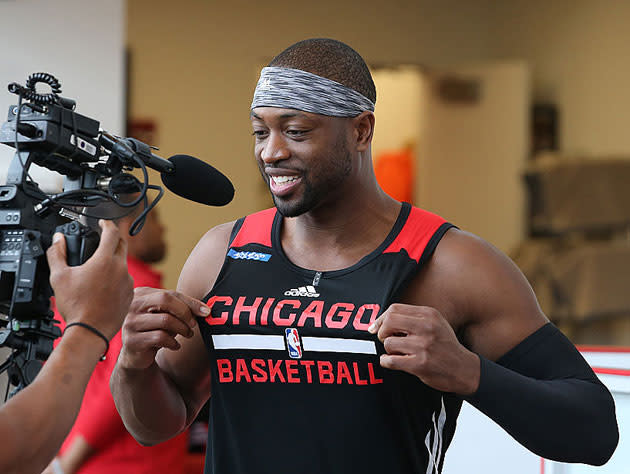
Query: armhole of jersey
433,242
427,252
237,226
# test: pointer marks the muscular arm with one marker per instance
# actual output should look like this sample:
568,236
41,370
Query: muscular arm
160,382
541,391
509,362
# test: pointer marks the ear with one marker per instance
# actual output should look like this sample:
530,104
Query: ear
363,130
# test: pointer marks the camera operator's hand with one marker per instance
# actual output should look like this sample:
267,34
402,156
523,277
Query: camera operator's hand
98,292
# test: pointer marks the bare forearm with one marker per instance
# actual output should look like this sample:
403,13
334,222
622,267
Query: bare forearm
77,453
149,404
35,422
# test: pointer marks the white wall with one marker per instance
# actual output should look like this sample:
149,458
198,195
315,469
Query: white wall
80,42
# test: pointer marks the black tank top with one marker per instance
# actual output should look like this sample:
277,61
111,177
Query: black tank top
296,381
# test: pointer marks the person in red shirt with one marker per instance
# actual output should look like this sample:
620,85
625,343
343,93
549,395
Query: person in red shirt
99,442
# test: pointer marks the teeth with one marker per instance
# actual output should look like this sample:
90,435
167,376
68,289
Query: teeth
283,179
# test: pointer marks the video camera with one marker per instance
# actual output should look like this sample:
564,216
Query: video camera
45,130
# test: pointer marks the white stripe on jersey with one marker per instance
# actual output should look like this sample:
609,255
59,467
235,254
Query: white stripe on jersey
276,343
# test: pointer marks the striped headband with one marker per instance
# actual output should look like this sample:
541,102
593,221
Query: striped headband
295,89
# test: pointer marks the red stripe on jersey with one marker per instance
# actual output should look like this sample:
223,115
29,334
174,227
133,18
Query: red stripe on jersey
256,229
416,233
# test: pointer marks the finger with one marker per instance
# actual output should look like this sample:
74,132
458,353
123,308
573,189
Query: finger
396,345
181,306
398,362
395,308
396,325
56,254
150,341
198,307
165,340
110,238
163,321
375,326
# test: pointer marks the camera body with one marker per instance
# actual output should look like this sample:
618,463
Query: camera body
63,141
45,130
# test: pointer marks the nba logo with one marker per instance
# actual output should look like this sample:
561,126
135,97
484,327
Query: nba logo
293,343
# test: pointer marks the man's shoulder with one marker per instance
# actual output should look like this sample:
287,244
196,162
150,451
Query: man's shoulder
205,261
472,280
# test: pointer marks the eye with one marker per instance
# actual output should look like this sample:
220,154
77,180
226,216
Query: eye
260,134
296,133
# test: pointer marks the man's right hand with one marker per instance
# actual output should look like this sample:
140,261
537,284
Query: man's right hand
155,318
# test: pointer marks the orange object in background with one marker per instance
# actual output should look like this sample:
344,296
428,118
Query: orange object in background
395,173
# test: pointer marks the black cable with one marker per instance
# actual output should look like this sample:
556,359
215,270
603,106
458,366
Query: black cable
31,92
138,223
16,143
143,190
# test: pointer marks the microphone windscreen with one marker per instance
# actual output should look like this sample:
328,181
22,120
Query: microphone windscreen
197,181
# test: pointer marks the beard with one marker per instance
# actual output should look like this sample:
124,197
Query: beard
319,183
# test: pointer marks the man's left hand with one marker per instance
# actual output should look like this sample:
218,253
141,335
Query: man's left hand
418,340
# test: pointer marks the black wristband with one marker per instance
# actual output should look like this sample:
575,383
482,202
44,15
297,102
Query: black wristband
95,331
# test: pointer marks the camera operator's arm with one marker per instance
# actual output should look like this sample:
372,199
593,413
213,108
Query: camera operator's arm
77,453
161,381
34,423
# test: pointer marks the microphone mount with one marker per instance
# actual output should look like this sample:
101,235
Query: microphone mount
131,149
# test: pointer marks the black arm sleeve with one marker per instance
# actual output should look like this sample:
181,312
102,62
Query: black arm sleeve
545,395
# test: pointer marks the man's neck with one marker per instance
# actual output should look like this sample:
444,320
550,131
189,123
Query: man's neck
337,235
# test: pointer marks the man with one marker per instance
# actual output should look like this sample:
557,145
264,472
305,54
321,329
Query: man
99,442
391,316
34,423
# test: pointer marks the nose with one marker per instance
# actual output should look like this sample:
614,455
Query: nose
275,148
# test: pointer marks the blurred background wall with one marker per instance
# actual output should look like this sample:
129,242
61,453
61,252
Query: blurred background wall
576,50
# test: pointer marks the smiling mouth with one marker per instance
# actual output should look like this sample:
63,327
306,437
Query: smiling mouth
283,179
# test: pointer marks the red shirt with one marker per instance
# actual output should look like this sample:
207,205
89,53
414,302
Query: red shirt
101,426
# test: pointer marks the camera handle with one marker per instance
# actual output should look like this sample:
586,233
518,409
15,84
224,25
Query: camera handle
81,242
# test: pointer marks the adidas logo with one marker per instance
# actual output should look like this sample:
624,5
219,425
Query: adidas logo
309,291
266,84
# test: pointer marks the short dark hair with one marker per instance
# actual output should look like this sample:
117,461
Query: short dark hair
331,59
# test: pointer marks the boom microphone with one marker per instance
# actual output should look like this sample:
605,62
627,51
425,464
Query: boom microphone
197,181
